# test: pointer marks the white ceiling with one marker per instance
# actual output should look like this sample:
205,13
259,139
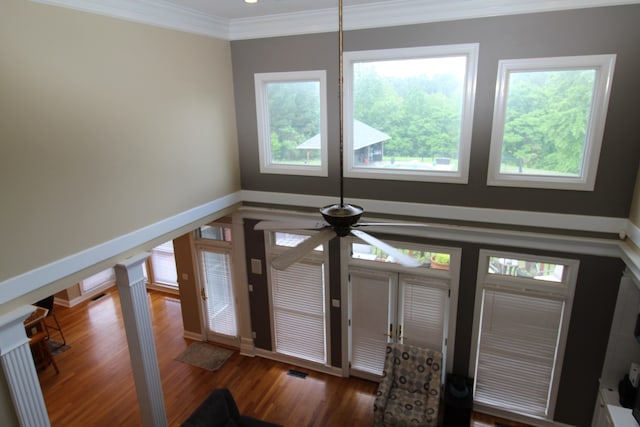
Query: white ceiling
234,19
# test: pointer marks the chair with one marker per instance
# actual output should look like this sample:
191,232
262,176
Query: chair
41,352
220,410
409,393
48,304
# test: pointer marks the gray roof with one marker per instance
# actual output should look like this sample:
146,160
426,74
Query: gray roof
364,135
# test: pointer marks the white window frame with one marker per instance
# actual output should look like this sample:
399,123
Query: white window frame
314,257
461,175
604,67
261,81
563,290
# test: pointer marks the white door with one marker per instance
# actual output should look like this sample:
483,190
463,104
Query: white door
372,311
423,311
393,307
215,266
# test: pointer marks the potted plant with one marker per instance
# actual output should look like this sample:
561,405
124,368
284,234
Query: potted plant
440,261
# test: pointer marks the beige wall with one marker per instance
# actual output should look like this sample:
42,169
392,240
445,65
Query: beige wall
106,126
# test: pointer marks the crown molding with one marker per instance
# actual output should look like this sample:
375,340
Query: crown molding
384,14
157,13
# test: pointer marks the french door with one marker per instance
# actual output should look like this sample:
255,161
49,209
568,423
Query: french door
387,307
215,267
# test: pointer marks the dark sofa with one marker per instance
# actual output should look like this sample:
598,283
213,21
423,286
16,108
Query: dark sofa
220,410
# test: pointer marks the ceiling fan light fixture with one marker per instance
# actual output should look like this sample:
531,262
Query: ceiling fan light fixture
251,1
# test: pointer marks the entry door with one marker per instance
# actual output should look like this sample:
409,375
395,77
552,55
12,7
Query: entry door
218,287
392,307
371,319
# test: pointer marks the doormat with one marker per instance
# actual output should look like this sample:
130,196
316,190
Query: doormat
298,374
205,356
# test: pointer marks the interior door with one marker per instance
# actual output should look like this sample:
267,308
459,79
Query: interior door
372,310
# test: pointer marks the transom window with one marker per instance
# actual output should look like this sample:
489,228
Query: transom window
408,112
292,122
430,259
549,121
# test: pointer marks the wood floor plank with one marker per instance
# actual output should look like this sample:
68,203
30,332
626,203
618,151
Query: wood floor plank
95,386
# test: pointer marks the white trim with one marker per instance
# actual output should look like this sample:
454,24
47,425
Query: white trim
196,336
587,223
261,80
459,176
603,65
157,13
538,422
24,283
382,14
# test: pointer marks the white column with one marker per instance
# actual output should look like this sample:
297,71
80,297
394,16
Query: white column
142,349
19,369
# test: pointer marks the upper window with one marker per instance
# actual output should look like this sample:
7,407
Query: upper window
549,120
408,113
292,122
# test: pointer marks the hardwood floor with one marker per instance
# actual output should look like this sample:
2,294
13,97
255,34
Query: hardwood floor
95,385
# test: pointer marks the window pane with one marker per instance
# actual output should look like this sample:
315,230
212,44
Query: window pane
290,240
298,311
517,351
434,260
408,112
546,121
215,233
548,272
294,122
163,264
220,304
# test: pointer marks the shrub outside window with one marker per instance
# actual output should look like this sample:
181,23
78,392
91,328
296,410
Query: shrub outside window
549,121
292,122
408,112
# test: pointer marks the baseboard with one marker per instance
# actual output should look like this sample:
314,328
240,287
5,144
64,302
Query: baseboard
84,297
195,336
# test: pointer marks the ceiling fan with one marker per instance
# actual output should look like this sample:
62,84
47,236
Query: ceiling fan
339,219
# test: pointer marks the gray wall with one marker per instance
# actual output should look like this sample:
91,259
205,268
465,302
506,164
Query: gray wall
579,32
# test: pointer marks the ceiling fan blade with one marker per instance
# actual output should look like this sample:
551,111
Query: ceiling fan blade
395,224
398,256
290,225
297,253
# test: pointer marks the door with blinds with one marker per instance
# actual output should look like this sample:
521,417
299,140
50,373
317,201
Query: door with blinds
215,267
393,307
298,303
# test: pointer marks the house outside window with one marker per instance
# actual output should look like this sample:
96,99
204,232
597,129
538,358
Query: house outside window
408,112
549,119
292,122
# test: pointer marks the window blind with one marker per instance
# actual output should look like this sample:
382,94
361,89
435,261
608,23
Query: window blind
423,314
370,321
163,264
517,351
221,311
298,311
